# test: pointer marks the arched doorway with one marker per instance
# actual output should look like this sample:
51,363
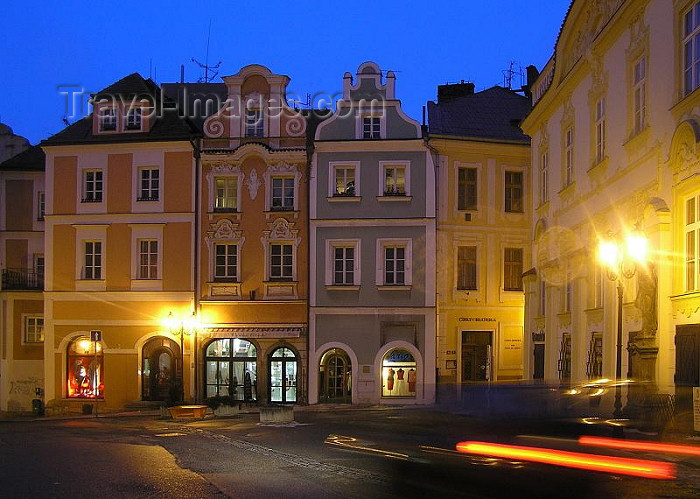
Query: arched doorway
399,374
160,368
335,377
283,376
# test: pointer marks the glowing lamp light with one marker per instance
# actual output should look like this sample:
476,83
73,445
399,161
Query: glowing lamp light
609,253
169,322
637,247
593,462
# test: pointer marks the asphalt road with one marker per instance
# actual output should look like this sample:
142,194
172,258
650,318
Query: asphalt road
366,453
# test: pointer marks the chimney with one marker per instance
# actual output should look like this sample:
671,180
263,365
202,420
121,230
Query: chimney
532,75
452,91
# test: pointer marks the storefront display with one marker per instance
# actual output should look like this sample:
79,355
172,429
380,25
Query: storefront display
85,369
231,369
283,376
399,375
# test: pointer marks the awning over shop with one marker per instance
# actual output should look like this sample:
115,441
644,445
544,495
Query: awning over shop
252,332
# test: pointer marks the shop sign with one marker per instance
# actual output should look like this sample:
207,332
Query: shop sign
95,335
477,319
538,336
400,356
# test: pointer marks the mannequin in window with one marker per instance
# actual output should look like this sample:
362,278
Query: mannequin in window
412,381
400,383
390,380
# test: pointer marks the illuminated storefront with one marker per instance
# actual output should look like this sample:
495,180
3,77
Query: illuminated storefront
85,369
231,369
283,376
399,374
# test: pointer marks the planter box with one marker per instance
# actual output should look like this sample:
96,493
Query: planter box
187,411
277,414
226,410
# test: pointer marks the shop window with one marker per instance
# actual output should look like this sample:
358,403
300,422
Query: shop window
594,365
231,369
85,369
283,376
399,374
564,364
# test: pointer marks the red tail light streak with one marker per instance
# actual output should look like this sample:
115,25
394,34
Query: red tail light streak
618,465
641,445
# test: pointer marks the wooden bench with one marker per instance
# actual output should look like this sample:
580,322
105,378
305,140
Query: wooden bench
187,411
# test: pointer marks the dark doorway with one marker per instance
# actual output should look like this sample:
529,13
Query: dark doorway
476,353
687,364
335,377
538,366
160,368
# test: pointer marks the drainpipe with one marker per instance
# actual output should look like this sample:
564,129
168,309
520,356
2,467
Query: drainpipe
196,149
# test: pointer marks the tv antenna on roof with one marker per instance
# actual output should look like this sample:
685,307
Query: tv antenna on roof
509,74
214,70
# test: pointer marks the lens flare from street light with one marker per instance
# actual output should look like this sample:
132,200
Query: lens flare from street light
608,253
637,247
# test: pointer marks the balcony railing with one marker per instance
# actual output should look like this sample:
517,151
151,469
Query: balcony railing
22,279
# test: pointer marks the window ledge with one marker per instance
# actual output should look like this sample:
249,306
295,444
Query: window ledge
394,198
344,199
394,287
148,199
341,287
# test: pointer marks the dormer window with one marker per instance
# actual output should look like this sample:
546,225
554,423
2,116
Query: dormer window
108,120
371,127
254,123
133,119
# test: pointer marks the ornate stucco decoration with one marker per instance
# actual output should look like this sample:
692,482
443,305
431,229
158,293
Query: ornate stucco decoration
224,230
282,167
544,137
253,183
684,157
568,111
214,127
281,230
296,126
639,35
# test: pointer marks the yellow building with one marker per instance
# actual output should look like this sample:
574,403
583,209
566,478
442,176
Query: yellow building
615,150
483,165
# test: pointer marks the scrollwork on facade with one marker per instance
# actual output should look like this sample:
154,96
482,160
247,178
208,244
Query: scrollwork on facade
253,183
296,126
213,127
224,230
281,230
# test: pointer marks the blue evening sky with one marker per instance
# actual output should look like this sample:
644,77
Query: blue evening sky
89,45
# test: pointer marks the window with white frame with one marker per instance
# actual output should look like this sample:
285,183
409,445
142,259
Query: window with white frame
371,127
33,329
692,232
282,194
281,262
691,49
513,192
394,265
568,156
600,130
39,266
92,261
92,186
226,199
226,262
344,265
467,188
344,181
568,294
466,267
394,180
41,208
108,119
639,92
254,123
148,259
149,188
544,187
133,119
513,269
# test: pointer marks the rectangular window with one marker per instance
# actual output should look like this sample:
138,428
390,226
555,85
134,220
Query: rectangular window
466,182
513,269
148,259
344,266
568,156
33,329
514,192
226,194
600,130
394,180
691,49
281,262
371,127
344,180
254,123
149,190
92,268
544,188
594,364
568,294
564,364
466,267
598,287
394,265
92,186
692,229
108,120
133,119
639,92
41,208
282,193
226,262
39,267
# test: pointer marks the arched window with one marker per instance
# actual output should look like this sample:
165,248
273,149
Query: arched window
399,374
231,369
85,369
283,376
160,368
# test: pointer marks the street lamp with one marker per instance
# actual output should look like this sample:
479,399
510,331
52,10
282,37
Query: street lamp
621,263
185,326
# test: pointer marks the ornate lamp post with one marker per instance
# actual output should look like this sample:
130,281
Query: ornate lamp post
621,262
185,326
